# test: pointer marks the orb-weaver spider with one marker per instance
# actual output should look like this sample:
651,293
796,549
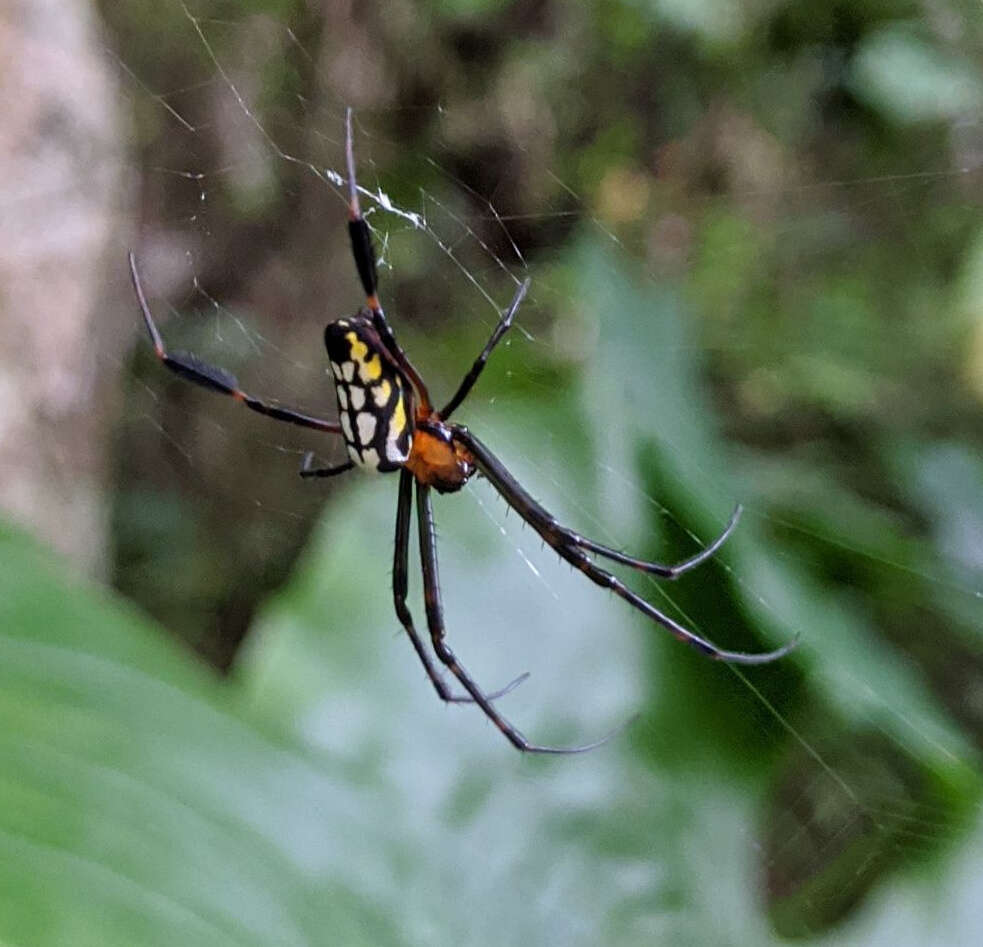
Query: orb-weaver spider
388,423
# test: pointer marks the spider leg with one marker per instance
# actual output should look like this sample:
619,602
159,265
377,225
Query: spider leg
365,262
307,471
400,584
504,324
435,622
644,565
572,551
190,367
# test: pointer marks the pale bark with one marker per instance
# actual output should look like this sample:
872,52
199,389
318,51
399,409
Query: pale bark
60,166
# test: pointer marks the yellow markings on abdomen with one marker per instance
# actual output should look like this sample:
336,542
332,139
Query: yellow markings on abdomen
369,366
396,435
359,349
371,398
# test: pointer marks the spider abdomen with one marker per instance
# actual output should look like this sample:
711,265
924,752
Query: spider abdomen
372,401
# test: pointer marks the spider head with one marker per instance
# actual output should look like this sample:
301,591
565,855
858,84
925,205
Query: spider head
437,459
374,406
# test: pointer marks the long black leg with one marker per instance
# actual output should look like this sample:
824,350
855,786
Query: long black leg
218,379
569,537
364,253
572,548
644,565
307,470
504,324
435,622
400,585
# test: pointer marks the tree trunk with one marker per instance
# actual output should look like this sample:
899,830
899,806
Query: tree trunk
60,164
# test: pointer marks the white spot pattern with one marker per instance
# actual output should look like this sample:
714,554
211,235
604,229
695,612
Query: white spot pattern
393,454
366,427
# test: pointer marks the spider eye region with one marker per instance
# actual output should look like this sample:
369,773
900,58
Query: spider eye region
372,401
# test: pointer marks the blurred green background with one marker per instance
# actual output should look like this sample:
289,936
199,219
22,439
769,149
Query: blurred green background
755,243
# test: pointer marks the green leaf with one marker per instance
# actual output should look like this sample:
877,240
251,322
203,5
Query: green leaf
910,80
136,805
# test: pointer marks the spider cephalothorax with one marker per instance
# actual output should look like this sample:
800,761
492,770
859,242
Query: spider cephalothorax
388,423
438,458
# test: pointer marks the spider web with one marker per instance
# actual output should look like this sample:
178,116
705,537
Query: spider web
862,786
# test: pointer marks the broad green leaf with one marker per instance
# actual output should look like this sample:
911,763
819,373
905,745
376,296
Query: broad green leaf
136,805
910,80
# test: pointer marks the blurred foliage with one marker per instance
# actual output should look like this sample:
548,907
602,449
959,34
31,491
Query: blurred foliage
321,795
801,184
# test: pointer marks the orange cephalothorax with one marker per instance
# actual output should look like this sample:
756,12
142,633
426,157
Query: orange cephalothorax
437,460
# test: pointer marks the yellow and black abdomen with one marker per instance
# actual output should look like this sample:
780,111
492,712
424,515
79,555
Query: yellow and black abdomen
373,404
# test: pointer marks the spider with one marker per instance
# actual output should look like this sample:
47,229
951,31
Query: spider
388,423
